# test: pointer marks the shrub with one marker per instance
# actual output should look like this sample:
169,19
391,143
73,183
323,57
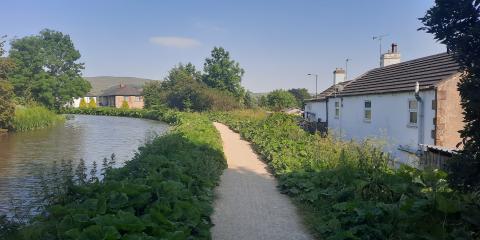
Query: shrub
92,103
7,107
35,117
83,103
125,105
280,99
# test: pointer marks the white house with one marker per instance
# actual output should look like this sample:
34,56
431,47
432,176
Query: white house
383,103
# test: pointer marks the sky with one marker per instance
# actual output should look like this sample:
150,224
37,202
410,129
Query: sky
277,42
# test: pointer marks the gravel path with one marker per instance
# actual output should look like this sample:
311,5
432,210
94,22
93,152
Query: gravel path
248,204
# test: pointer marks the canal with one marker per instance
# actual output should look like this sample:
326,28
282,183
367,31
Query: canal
25,156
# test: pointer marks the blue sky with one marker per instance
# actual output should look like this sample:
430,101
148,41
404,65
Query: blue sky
276,42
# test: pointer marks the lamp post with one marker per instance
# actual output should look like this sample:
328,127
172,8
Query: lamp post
316,82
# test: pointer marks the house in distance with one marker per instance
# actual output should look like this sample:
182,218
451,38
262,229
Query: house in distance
116,96
413,105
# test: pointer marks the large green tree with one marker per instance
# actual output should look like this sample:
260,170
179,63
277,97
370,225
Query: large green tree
7,106
47,69
456,23
280,99
222,73
300,94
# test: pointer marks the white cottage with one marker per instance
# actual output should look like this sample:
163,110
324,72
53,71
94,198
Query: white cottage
386,103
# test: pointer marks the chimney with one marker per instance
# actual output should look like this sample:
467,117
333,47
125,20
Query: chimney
122,85
338,76
391,57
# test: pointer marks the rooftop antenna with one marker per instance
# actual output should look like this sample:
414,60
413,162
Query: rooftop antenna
346,68
379,38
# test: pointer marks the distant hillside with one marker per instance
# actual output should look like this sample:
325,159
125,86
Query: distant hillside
101,83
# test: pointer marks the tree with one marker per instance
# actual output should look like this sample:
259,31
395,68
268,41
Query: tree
92,103
220,72
300,94
7,106
125,105
83,103
456,23
47,69
249,101
280,99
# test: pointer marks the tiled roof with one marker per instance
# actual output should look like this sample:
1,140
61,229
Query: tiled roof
427,71
329,91
122,90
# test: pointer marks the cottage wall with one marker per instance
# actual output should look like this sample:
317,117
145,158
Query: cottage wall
317,108
133,101
449,113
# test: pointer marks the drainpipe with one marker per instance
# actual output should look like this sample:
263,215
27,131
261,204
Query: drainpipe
421,124
326,112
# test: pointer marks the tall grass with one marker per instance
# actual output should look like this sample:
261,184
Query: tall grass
29,118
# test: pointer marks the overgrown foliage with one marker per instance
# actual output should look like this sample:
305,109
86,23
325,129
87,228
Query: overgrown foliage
457,25
280,99
183,89
47,69
347,190
7,106
164,192
300,94
34,117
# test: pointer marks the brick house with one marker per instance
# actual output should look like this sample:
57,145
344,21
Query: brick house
413,105
116,95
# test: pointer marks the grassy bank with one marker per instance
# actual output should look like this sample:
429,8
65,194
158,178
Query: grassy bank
346,190
164,192
35,117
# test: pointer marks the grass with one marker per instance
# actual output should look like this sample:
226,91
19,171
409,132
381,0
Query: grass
35,117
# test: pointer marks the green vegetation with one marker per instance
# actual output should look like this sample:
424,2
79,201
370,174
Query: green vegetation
83,103
223,74
457,25
183,89
280,99
7,106
300,94
164,192
347,190
92,103
125,105
35,117
47,69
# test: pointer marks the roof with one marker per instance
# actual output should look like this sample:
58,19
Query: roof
122,90
329,91
401,77
102,83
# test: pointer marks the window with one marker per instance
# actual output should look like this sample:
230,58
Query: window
337,109
413,111
126,98
367,111
137,99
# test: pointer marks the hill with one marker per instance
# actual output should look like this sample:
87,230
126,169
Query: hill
101,83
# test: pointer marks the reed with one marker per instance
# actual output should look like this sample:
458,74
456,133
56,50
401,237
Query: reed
35,117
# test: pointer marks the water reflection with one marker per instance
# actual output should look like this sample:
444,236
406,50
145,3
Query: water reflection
25,156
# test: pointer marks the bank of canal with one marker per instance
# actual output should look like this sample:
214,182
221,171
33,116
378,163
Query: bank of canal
25,156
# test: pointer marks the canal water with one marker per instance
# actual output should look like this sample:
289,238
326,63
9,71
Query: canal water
25,156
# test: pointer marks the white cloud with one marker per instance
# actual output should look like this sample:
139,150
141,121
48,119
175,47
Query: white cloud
175,42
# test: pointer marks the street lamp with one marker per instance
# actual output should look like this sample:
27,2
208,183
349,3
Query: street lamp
316,82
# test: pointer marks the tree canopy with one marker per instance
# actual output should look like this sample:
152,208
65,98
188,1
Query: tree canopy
47,69
280,99
456,23
220,72
300,94
7,106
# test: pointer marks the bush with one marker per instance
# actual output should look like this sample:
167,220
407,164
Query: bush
346,190
7,107
83,103
164,192
30,118
280,99
125,105
92,103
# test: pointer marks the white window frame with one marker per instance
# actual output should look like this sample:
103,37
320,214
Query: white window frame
365,109
412,110
337,109
138,99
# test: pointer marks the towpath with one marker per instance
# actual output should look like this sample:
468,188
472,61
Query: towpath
248,204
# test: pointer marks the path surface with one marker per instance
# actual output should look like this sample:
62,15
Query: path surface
248,204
